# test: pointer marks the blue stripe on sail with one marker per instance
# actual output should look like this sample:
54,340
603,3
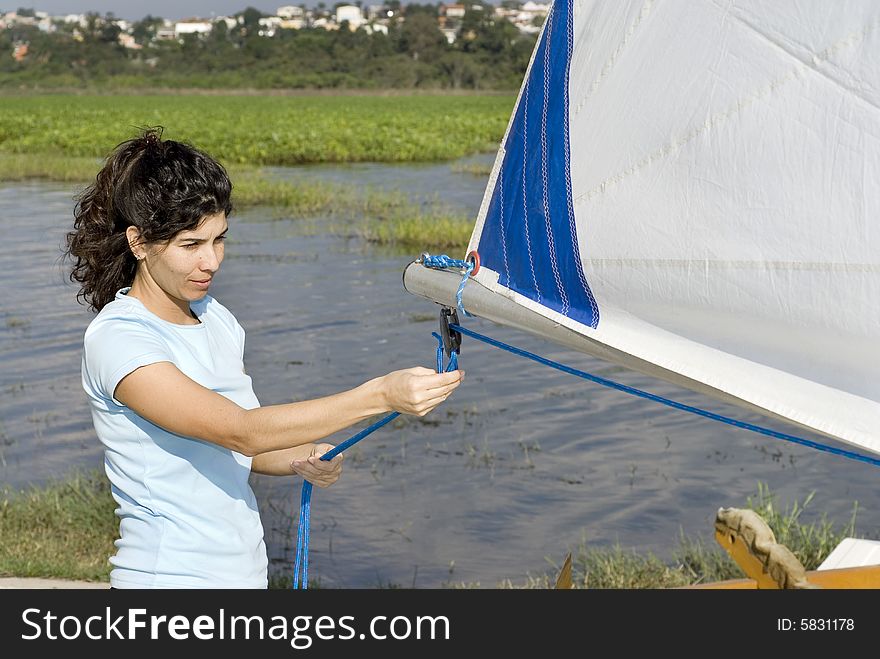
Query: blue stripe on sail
529,234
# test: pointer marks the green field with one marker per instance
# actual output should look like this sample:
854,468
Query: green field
262,130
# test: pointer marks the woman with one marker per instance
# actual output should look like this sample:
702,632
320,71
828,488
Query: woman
164,374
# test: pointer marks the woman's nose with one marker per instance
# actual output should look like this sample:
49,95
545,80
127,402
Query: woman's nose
210,259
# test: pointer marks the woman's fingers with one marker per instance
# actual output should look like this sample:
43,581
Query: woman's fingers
447,384
429,405
415,390
319,472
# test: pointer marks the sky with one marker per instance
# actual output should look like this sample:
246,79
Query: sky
171,9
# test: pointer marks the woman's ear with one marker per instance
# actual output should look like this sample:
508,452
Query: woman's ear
133,235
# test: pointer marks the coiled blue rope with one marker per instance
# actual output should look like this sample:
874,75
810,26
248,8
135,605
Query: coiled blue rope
665,401
301,563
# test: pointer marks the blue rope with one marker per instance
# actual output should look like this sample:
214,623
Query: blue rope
666,401
301,564
442,261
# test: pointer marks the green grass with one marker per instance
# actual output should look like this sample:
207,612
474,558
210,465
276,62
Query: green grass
66,530
694,562
262,130
63,137
379,216
432,230
474,169
65,169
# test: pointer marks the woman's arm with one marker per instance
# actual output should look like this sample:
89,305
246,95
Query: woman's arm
163,395
304,460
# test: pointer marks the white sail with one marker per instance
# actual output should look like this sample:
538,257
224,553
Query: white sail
692,189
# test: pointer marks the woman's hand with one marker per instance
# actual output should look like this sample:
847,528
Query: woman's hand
418,390
316,471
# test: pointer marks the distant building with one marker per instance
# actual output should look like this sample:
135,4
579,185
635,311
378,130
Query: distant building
268,26
530,17
77,19
532,10
452,11
350,13
290,12
12,18
127,41
191,26
325,24
373,28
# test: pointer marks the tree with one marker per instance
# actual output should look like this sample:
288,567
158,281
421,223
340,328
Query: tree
144,30
421,38
219,32
110,31
251,20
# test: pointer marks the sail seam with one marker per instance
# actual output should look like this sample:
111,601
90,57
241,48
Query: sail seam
823,56
551,246
503,239
579,267
721,117
742,264
612,60
525,202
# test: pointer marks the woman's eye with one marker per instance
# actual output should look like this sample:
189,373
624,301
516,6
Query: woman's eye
190,245
221,238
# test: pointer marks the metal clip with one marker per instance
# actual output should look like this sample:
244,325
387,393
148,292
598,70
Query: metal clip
451,338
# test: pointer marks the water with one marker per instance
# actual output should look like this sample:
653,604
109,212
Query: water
519,467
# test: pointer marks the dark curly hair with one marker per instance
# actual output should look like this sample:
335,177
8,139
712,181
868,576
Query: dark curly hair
162,187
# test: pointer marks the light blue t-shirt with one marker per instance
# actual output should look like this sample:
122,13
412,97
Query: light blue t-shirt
188,517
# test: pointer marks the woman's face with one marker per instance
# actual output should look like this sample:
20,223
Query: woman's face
185,267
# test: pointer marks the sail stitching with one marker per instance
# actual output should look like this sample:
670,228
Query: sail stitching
525,203
740,264
850,40
571,219
551,246
612,60
720,117
503,239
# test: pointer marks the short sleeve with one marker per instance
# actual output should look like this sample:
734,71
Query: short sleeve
116,347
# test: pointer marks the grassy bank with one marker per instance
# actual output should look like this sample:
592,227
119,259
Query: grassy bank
262,130
379,216
57,137
66,530
694,561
